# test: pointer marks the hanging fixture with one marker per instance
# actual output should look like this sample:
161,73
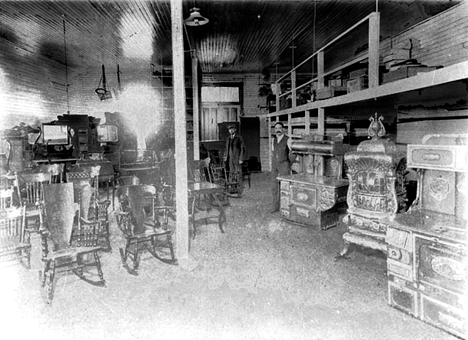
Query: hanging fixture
102,91
66,62
195,18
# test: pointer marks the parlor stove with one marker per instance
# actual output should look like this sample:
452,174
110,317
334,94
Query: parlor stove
376,189
314,195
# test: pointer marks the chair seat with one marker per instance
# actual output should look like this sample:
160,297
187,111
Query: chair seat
70,252
12,248
32,212
150,230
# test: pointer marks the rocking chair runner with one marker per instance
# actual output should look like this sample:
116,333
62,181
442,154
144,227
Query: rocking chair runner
66,246
138,221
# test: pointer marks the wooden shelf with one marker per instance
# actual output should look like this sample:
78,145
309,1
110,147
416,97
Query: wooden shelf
422,80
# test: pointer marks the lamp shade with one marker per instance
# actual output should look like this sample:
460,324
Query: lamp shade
195,18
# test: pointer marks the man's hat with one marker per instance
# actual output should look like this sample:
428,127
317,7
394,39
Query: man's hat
232,126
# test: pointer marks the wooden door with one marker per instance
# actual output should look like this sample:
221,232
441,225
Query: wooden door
212,114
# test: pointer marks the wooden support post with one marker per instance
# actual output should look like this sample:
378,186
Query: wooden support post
307,122
278,92
196,110
320,70
374,44
321,121
293,89
180,127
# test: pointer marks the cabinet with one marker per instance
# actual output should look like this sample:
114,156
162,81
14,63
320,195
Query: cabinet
427,246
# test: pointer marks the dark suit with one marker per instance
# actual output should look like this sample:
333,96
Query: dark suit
235,152
280,166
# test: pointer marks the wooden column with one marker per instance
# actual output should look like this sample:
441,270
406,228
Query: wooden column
321,121
320,85
320,70
180,127
196,110
374,44
293,88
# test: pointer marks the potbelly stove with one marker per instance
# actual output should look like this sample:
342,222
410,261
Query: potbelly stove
315,194
376,189
427,246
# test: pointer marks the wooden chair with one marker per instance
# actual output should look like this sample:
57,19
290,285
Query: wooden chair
55,170
219,176
138,221
14,238
6,199
122,181
203,201
31,191
68,244
91,208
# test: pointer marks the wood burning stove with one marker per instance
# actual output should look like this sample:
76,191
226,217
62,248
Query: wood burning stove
376,189
427,246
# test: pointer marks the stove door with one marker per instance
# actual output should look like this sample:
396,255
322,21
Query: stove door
441,264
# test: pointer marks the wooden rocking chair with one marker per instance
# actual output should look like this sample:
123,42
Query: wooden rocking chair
138,221
67,241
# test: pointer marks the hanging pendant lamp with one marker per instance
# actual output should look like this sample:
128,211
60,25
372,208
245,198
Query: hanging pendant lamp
102,91
195,18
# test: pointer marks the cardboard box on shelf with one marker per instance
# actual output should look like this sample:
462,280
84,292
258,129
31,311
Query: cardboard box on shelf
406,71
357,73
330,91
356,84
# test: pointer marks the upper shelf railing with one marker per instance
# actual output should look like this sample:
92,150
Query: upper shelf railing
372,55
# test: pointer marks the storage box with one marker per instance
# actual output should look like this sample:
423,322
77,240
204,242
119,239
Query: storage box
330,91
357,73
356,84
406,71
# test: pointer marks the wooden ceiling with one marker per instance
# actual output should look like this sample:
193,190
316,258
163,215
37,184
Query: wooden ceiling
241,36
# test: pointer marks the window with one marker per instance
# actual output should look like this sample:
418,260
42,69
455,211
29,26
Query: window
219,94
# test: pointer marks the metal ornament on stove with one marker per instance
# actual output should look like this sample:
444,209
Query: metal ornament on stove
376,128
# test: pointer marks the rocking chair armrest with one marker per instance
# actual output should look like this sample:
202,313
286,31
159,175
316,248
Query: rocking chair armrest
88,222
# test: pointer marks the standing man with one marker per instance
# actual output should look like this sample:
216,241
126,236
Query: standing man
234,156
280,162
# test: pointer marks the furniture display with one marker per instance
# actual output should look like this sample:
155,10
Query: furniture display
316,194
141,227
6,198
31,189
85,181
218,175
140,163
376,189
312,201
14,238
319,114
67,246
428,245
56,171
203,197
